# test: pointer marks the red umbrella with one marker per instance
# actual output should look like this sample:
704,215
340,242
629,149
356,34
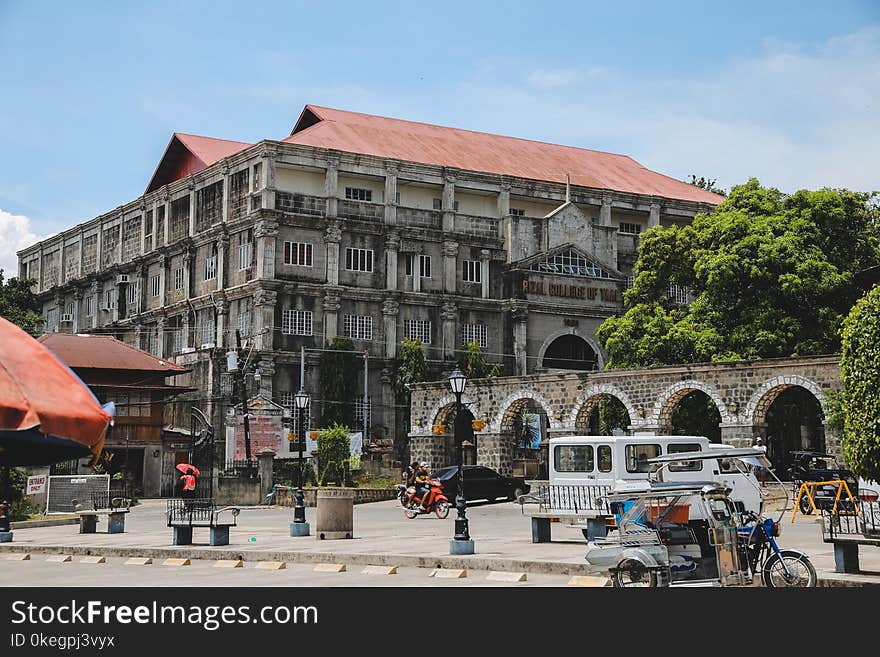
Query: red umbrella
183,467
47,414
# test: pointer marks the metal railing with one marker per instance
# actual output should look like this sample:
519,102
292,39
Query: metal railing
242,468
112,500
190,511
575,498
849,523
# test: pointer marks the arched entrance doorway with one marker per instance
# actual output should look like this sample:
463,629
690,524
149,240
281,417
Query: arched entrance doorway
603,415
523,431
794,422
697,415
444,425
570,352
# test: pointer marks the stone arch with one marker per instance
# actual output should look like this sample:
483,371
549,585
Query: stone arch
441,409
508,409
587,401
669,398
767,392
571,331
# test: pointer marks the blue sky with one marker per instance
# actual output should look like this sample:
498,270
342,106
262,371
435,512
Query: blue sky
91,91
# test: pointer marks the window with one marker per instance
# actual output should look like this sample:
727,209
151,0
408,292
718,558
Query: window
419,329
474,333
630,229
595,221
298,253
573,458
90,306
630,281
154,285
296,322
684,466
603,456
517,212
438,204
397,198
362,409
358,194
110,298
51,319
424,266
244,323
358,327
570,263
209,333
408,263
211,267
680,294
133,293
637,457
178,278
245,256
359,260
471,271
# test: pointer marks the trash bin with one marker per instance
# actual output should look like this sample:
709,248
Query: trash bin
335,513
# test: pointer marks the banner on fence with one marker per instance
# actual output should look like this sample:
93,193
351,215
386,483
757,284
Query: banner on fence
37,484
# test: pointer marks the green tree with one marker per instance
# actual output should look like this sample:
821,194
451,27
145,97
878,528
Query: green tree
769,274
333,453
412,368
338,382
612,415
860,371
706,183
19,305
473,363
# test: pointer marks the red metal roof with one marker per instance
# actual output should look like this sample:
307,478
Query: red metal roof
479,151
186,154
104,352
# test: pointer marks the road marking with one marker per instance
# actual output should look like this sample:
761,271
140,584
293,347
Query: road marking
59,558
589,580
139,561
93,560
271,565
499,576
174,561
229,563
379,570
454,573
330,568
18,557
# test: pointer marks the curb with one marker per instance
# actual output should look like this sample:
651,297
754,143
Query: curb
32,524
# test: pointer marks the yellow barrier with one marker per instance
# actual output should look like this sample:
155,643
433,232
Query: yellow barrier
808,488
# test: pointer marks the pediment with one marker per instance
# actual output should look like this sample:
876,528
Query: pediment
568,260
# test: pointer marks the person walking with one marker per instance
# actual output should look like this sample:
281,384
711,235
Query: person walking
760,470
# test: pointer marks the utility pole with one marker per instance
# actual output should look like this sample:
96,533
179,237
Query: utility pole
242,392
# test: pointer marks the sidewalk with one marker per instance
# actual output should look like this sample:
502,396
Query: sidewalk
383,536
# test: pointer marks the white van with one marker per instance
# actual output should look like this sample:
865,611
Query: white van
621,462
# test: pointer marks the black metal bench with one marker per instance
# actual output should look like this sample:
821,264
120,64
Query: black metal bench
582,505
847,530
183,514
112,504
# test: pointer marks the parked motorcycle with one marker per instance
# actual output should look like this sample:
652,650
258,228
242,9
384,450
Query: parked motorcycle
779,568
434,501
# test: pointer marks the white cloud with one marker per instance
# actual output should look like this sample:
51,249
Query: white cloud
15,234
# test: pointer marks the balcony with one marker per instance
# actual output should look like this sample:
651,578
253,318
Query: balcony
360,210
477,226
419,218
314,206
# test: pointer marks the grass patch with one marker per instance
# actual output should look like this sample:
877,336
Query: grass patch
368,480
57,516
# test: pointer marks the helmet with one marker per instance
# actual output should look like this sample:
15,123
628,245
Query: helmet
424,464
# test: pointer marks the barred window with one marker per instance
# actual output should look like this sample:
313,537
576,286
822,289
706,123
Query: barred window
133,293
155,281
178,278
148,231
630,281
110,298
424,266
630,229
517,212
208,330
211,267
570,263
90,306
359,259
296,322
358,194
51,319
475,333
362,408
244,323
298,254
419,329
471,271
358,327
245,256
89,254
680,294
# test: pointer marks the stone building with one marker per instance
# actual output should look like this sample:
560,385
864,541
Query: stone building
364,226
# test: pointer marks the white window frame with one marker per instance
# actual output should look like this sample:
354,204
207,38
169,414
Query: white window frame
178,278
155,285
297,322
360,260
358,327
90,306
111,297
211,267
424,266
478,333
517,212
472,271
419,329
298,254
133,293
359,194
245,256
629,228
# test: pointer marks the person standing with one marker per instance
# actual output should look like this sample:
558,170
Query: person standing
760,470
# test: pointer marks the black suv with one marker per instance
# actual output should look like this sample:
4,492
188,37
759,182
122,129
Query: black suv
481,483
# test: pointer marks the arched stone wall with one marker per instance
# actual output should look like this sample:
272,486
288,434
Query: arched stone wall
669,398
767,392
505,412
585,403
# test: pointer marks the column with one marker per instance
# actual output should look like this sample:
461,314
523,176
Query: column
222,254
79,265
138,336
224,217
449,318
143,233
268,193
187,330
192,209
414,266
332,237
267,376
484,272
166,217
605,211
450,266
97,294
164,261
187,274
265,234
77,309
504,199
519,316
331,315
390,193
448,203
160,336
654,215
392,244
120,242
389,416
264,318
390,312
331,186
222,323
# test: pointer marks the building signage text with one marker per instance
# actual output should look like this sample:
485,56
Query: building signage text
570,291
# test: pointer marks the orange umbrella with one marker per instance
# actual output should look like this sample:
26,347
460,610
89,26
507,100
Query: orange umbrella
186,467
47,414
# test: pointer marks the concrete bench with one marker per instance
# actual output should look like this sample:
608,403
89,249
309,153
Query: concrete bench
846,531
104,504
185,514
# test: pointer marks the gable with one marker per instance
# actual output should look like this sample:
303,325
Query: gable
571,262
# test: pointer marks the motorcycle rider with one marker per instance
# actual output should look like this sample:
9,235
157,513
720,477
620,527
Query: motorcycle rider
423,475
410,481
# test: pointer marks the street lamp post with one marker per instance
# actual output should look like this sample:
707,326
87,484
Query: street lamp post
299,526
461,542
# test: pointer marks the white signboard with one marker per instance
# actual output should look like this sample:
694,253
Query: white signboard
37,484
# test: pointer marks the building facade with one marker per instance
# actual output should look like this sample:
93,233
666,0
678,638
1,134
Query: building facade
373,228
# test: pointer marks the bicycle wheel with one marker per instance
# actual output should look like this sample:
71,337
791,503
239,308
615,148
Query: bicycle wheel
633,573
801,573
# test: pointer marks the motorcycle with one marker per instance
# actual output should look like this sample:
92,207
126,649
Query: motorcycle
779,568
434,501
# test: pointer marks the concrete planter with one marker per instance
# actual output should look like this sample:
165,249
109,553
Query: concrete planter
335,513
